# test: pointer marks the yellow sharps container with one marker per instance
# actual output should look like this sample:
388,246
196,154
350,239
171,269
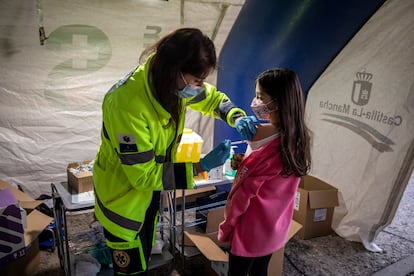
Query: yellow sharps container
189,149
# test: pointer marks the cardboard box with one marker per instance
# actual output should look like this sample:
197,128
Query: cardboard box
80,176
35,220
314,207
209,219
11,228
191,195
210,247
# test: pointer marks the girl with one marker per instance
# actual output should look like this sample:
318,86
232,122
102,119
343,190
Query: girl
259,207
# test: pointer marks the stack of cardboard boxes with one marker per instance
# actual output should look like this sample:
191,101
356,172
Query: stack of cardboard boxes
20,227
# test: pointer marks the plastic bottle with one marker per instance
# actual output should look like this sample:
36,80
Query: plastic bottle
227,170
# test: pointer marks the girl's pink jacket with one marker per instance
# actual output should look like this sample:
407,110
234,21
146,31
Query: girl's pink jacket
259,207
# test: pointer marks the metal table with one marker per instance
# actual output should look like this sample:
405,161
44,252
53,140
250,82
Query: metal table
62,203
65,201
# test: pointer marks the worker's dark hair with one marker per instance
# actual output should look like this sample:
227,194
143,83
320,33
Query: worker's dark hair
185,50
283,86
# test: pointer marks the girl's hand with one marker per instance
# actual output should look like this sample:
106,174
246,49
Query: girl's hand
236,159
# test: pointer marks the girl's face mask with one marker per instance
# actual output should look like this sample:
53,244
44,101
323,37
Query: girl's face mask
189,90
260,109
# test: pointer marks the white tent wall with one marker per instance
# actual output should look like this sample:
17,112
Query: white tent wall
51,94
361,113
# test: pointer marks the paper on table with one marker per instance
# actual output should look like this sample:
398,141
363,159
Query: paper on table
83,197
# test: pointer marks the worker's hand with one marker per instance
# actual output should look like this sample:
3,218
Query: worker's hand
246,126
236,160
217,156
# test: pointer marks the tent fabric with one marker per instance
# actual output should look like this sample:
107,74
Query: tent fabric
304,36
360,111
51,94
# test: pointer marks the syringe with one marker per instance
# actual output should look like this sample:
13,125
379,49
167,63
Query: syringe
238,142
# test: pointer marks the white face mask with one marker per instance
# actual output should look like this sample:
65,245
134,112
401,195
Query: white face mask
189,90
260,109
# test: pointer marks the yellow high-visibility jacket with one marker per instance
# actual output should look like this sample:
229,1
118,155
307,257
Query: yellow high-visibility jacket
138,150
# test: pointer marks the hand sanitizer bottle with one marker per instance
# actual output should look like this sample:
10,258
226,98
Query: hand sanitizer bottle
227,170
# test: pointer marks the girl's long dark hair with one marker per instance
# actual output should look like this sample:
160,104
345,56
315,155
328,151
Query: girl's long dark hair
284,87
185,50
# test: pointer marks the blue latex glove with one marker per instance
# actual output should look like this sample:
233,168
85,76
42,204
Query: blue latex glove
246,126
217,156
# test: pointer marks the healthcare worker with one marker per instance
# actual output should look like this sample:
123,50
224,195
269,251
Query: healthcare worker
143,121
259,207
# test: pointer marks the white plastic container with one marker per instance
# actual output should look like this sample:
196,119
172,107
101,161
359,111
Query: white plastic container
227,170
